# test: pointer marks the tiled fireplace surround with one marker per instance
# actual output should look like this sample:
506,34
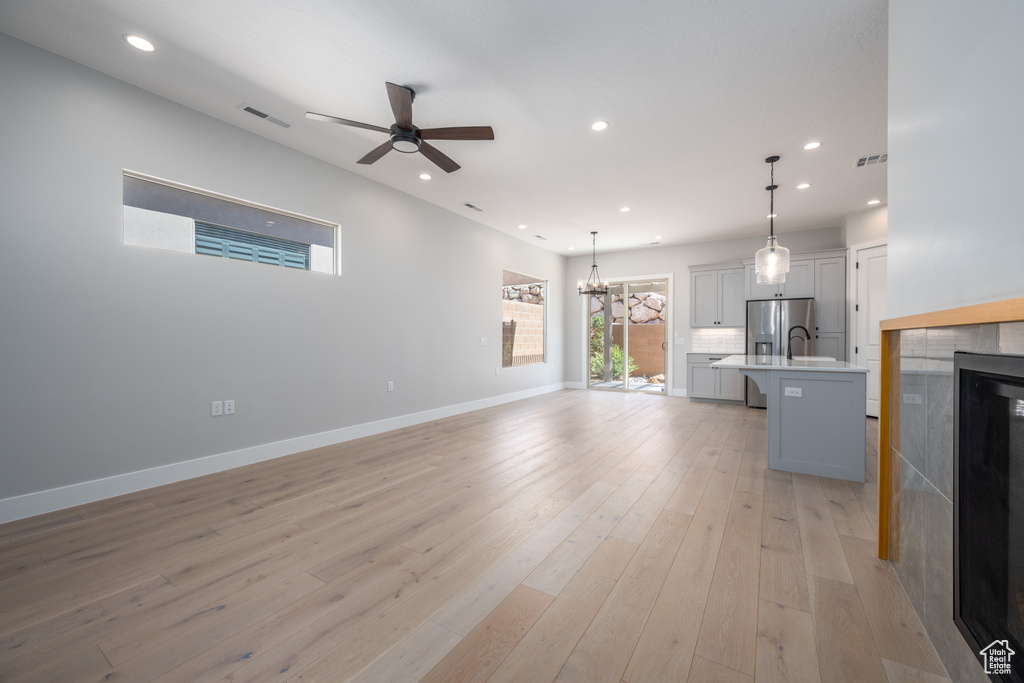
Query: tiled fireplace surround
921,541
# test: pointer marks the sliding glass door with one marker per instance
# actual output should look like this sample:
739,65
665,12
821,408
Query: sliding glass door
627,345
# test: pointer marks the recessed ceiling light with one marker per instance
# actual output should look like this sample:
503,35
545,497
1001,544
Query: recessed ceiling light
657,237
571,248
624,209
599,125
424,176
522,227
139,43
772,215
803,186
812,145
875,201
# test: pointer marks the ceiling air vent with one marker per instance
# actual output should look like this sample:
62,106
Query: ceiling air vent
872,160
541,237
470,206
263,115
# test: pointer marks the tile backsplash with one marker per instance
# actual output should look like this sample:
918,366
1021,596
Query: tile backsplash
718,340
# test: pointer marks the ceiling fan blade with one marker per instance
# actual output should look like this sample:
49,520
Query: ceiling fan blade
458,133
344,122
401,104
376,153
435,155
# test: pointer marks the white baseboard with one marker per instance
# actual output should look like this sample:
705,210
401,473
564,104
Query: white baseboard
575,385
679,392
39,502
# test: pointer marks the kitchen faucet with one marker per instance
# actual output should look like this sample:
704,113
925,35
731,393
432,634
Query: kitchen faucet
789,342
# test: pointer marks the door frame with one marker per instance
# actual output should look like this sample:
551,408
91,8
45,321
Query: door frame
852,292
669,335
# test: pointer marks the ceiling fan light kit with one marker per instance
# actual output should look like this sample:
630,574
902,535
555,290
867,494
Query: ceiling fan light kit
772,262
404,141
407,138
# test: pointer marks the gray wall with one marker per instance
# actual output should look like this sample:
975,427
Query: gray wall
866,226
666,260
110,355
955,149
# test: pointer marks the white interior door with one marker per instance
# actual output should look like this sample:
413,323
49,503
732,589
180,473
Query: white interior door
870,309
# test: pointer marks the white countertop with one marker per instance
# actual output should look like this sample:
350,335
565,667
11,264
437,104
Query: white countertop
740,362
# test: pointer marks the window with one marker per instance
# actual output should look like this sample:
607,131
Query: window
522,319
166,215
214,240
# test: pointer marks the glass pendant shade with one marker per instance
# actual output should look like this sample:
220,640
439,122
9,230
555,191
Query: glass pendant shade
771,263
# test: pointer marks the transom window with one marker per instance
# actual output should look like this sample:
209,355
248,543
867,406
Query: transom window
166,215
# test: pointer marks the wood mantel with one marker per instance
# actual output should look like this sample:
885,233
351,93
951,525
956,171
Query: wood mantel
1009,310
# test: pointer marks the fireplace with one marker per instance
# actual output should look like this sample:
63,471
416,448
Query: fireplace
988,515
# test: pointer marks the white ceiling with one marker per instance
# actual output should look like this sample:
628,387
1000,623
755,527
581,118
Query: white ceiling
697,94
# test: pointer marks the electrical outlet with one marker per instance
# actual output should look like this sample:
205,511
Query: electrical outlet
912,399
217,408
794,391
483,341
391,385
229,406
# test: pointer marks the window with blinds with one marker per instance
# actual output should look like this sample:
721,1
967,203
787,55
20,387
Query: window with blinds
214,240
165,215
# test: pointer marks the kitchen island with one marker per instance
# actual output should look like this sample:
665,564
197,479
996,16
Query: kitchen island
816,413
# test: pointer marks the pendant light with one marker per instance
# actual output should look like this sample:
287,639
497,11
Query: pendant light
771,263
594,286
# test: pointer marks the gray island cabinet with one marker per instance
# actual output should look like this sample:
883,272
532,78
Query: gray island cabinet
816,413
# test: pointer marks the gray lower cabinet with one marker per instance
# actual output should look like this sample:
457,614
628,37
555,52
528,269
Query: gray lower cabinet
706,382
832,344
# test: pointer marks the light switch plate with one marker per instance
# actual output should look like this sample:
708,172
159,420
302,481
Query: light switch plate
794,391
229,406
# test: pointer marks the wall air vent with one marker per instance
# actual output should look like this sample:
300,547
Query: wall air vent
470,206
263,115
872,160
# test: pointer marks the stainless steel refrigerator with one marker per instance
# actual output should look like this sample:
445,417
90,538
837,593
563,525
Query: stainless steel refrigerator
769,325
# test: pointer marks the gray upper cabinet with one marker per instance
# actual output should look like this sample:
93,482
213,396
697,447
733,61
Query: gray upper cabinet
731,295
830,294
799,280
717,298
704,298
799,283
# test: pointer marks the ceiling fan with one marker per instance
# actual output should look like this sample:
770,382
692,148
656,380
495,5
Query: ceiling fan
407,138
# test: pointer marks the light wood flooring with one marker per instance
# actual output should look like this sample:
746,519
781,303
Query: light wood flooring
576,536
